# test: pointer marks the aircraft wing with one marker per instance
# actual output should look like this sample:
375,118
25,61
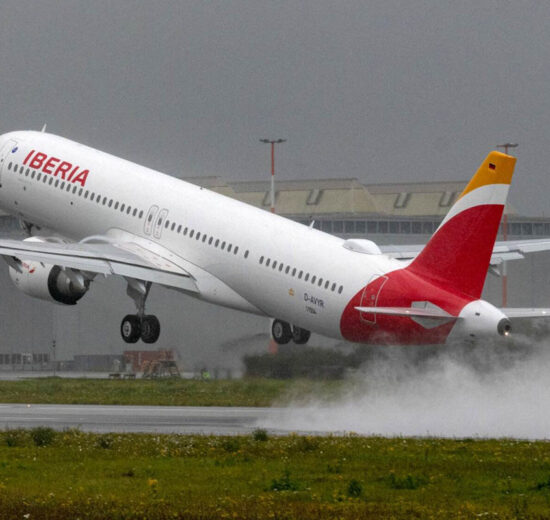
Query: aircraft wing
125,259
503,251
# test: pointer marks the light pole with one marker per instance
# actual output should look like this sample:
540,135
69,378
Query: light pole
272,142
503,270
273,347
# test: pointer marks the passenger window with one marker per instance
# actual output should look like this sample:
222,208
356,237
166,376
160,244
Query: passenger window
294,271
192,232
63,185
166,223
68,187
198,235
150,217
179,228
57,183
320,282
246,254
306,278
27,172
261,260
80,192
327,283
333,287
300,275
33,174
313,278
210,240
110,202
51,181
340,289
9,166
185,231
128,210
287,269
204,237
141,214
104,200
236,250
281,267
21,169
274,264
86,194
121,207
229,248
223,246
134,213
267,262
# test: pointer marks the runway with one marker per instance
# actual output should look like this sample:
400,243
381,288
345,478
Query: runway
146,419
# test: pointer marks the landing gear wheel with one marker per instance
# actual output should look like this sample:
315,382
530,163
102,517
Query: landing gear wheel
281,332
300,336
130,328
150,329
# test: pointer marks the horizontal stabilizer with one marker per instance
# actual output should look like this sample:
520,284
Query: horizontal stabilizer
413,312
503,251
526,313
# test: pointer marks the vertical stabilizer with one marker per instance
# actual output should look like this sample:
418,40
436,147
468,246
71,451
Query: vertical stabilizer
458,254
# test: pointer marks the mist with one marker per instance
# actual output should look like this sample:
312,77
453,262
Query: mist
453,391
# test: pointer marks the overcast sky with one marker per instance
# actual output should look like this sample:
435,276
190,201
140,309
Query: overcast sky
384,91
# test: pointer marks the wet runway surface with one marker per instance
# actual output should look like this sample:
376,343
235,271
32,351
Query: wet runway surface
151,419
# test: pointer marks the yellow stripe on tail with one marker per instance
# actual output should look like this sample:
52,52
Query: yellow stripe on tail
497,168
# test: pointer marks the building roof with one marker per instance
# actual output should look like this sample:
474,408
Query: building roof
343,197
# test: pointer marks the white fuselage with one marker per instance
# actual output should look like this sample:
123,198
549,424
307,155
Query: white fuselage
230,264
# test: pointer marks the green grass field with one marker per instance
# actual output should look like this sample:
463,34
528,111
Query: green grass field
166,392
71,474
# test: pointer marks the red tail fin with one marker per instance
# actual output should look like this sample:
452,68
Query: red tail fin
458,254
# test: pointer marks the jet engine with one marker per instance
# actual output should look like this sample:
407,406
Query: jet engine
47,282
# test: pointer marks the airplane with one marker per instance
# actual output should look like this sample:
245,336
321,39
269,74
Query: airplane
89,213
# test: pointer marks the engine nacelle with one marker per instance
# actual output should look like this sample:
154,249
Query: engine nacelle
47,282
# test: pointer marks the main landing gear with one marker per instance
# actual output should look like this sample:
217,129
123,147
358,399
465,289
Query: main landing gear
283,332
140,325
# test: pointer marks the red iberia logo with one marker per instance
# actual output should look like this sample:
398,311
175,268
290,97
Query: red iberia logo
55,166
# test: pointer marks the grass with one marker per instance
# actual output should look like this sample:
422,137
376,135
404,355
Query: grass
165,392
128,476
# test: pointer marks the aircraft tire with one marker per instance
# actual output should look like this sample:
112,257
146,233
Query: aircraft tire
130,328
300,336
150,329
281,332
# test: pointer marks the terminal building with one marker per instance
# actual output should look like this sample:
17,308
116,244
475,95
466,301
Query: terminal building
203,335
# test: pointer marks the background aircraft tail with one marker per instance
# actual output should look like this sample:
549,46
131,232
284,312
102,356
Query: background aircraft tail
458,254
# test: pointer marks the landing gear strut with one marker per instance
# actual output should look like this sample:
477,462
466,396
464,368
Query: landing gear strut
140,325
283,332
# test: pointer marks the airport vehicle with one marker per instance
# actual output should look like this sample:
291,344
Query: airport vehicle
89,213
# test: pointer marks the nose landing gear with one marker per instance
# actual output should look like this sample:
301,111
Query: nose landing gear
140,325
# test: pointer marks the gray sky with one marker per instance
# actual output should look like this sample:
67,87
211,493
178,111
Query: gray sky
384,91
